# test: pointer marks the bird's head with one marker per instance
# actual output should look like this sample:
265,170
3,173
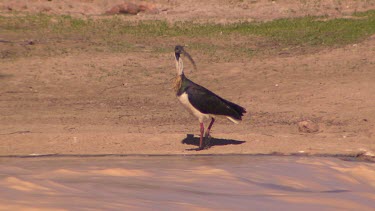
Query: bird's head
178,51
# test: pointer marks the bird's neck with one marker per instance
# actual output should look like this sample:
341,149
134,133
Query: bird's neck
178,82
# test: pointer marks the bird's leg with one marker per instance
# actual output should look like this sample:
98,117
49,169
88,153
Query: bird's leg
209,127
201,137
207,136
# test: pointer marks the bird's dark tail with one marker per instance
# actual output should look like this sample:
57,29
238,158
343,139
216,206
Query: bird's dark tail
238,113
239,109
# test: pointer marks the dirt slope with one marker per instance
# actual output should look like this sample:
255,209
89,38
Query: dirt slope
195,10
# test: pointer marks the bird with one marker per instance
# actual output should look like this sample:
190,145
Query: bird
201,102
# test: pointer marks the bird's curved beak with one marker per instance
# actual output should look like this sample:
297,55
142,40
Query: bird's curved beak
190,58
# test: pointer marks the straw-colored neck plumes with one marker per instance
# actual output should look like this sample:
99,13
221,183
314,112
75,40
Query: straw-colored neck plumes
180,72
179,66
177,83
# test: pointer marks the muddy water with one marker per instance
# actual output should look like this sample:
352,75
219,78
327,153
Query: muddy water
186,183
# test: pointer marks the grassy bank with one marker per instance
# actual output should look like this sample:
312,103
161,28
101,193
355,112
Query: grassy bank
116,34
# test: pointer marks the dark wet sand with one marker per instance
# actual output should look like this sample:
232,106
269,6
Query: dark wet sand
186,183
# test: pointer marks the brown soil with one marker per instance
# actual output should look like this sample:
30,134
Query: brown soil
121,103
195,10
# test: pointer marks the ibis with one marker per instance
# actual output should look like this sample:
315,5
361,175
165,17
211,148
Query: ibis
201,102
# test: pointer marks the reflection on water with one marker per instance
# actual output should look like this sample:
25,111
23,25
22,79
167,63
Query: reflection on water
186,183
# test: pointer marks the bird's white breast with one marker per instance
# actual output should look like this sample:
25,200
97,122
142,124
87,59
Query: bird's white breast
185,101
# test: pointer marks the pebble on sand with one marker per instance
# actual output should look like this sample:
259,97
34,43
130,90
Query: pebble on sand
308,126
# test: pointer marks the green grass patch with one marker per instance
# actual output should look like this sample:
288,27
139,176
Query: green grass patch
117,34
312,31
296,31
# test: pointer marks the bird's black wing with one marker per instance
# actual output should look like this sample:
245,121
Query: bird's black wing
208,102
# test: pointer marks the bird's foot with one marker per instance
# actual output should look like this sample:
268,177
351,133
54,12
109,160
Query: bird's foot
207,141
196,149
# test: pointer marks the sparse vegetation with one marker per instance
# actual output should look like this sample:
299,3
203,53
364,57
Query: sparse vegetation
118,35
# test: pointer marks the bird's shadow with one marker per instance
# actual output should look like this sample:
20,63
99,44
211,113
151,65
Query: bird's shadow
191,140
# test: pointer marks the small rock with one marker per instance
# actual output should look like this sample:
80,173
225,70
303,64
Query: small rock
308,126
31,42
45,8
133,9
365,152
125,8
